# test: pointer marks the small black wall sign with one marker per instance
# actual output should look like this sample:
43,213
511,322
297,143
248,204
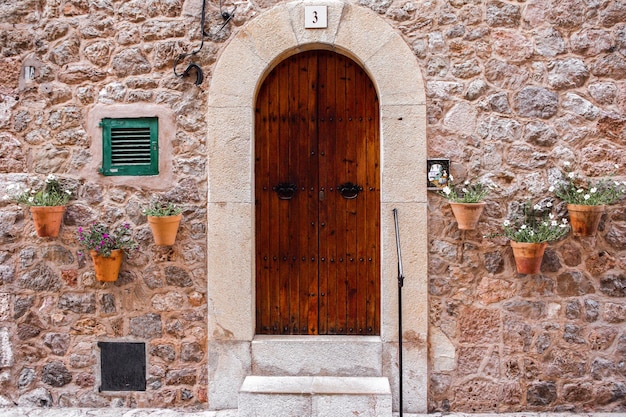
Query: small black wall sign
122,366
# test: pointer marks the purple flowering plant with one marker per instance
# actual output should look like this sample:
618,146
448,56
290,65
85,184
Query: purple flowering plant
101,239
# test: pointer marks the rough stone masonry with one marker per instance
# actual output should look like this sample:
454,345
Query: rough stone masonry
513,89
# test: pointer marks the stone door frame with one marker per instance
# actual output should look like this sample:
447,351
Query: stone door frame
266,40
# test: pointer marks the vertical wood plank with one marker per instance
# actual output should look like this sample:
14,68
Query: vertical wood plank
311,212
261,201
318,262
372,129
327,284
295,168
358,85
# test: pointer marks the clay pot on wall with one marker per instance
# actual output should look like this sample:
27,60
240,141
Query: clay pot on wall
528,256
47,219
467,214
585,219
107,267
164,229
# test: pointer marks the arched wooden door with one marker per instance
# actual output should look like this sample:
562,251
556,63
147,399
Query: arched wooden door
317,197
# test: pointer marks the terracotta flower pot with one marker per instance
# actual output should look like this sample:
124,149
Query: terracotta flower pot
107,268
467,214
528,256
164,229
47,219
585,219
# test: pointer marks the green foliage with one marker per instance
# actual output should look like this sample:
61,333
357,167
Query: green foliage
162,209
466,193
573,189
103,240
535,224
52,194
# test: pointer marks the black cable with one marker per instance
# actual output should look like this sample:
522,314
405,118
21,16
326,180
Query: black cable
227,16
193,66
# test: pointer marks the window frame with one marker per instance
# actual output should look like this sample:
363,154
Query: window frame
108,167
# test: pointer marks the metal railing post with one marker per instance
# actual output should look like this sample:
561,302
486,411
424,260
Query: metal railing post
400,285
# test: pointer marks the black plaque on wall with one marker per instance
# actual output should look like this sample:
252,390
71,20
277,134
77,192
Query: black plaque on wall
122,366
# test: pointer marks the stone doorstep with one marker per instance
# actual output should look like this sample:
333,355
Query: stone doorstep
316,385
314,396
317,355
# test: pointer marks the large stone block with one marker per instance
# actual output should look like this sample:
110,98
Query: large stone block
230,272
393,90
415,261
317,355
315,396
267,38
6,349
414,375
238,58
403,155
361,32
230,155
306,36
228,365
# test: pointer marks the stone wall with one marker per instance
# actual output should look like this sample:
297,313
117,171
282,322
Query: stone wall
89,55
513,89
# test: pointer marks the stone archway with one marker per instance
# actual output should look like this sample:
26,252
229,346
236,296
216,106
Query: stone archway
365,37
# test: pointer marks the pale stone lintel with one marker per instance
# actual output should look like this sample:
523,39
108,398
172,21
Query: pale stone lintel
316,385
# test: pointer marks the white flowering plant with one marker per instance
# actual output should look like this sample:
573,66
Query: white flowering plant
52,194
574,189
535,224
467,192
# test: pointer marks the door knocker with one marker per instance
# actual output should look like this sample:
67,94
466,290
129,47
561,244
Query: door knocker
349,190
285,190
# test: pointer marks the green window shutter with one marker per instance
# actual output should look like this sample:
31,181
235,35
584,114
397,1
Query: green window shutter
130,146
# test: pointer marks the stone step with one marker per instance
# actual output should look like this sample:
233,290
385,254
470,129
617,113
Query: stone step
319,396
317,355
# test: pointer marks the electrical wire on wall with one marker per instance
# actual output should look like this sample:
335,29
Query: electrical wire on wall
227,16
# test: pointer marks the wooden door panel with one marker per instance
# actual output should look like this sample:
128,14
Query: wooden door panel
317,252
285,271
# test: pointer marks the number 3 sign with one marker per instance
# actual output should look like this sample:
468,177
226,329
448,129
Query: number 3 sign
315,17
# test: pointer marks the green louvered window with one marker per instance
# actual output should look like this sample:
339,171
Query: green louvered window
130,146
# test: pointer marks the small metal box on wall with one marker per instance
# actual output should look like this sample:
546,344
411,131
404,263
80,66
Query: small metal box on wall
122,366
